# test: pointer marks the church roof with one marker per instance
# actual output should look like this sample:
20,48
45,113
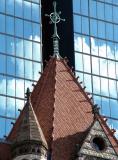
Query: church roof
28,128
63,109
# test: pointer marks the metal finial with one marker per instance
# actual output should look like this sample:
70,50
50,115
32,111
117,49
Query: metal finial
28,93
95,109
55,18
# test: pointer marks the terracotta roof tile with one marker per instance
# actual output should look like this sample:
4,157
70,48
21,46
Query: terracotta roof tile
63,109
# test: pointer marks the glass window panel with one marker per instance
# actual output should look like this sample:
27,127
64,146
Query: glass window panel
96,84
115,14
35,12
2,7
19,105
37,1
2,105
78,61
87,82
111,69
28,69
116,51
94,46
116,33
27,30
103,67
95,65
86,44
97,100
104,87
76,6
36,32
109,31
36,52
9,126
110,50
102,48
86,63
10,65
28,49
10,107
113,88
19,47
2,21
9,25
108,12
78,42
115,1
114,106
93,27
109,1
19,67
93,8
2,85
77,23
10,45
2,127
2,63
27,10
28,84
101,29
10,7
20,88
19,27
2,43
36,69
18,8
85,25
10,86
84,7
117,70
100,10
105,106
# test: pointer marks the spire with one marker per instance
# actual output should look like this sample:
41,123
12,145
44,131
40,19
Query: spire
55,18
29,128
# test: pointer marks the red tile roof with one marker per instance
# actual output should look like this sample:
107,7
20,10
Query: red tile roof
63,109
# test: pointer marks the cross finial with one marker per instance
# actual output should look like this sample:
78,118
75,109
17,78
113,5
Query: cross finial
55,18
28,93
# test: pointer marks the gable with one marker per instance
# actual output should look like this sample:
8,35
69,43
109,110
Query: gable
97,145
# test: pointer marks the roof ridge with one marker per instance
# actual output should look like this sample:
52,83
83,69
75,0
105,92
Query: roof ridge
47,73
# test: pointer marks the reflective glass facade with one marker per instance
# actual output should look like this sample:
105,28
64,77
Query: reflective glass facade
20,56
96,52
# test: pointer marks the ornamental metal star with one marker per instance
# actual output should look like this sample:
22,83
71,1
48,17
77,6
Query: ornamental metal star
55,18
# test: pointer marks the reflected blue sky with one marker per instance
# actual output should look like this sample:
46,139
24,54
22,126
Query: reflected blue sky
20,56
96,52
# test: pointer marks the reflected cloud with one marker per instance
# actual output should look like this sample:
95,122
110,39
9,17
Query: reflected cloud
99,66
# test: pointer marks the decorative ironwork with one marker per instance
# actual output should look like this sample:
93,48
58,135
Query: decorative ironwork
28,93
55,18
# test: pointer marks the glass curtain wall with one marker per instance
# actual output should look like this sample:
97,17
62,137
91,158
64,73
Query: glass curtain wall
20,56
96,52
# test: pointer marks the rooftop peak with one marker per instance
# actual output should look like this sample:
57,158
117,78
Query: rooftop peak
55,18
